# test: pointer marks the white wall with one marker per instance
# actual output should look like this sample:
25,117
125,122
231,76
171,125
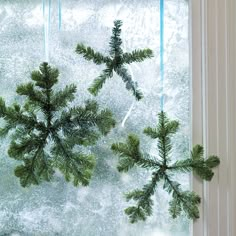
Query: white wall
214,110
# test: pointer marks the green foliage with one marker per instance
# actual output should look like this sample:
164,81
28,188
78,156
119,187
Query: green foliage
115,62
47,132
163,168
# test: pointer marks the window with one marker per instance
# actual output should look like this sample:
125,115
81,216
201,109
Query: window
26,37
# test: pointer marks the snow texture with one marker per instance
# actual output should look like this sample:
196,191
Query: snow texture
58,208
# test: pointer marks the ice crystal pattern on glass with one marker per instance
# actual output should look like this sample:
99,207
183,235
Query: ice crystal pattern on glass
58,208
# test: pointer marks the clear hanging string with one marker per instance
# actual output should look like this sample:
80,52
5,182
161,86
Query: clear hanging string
162,53
133,103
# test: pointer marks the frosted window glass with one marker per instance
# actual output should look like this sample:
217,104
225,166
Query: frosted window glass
58,208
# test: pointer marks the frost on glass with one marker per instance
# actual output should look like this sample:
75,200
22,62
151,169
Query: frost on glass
58,208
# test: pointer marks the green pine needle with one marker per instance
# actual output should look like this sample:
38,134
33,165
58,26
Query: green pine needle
115,62
90,55
163,168
46,131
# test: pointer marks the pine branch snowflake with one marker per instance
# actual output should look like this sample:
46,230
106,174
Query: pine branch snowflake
163,169
46,132
115,62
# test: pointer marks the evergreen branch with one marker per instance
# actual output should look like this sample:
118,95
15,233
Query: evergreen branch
165,129
116,42
184,166
115,62
61,98
86,118
5,130
130,84
3,108
186,201
144,201
105,121
14,117
36,129
22,146
46,77
35,97
182,201
202,167
83,136
212,161
45,167
76,166
90,55
100,81
152,132
26,175
204,170
78,124
197,152
87,115
35,170
64,122
32,153
130,155
137,56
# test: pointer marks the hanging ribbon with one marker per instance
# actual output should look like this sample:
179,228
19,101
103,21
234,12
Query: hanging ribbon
162,52
47,5
43,8
47,22
59,15
128,114
44,30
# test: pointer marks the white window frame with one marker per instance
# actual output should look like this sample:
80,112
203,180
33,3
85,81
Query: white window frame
213,60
